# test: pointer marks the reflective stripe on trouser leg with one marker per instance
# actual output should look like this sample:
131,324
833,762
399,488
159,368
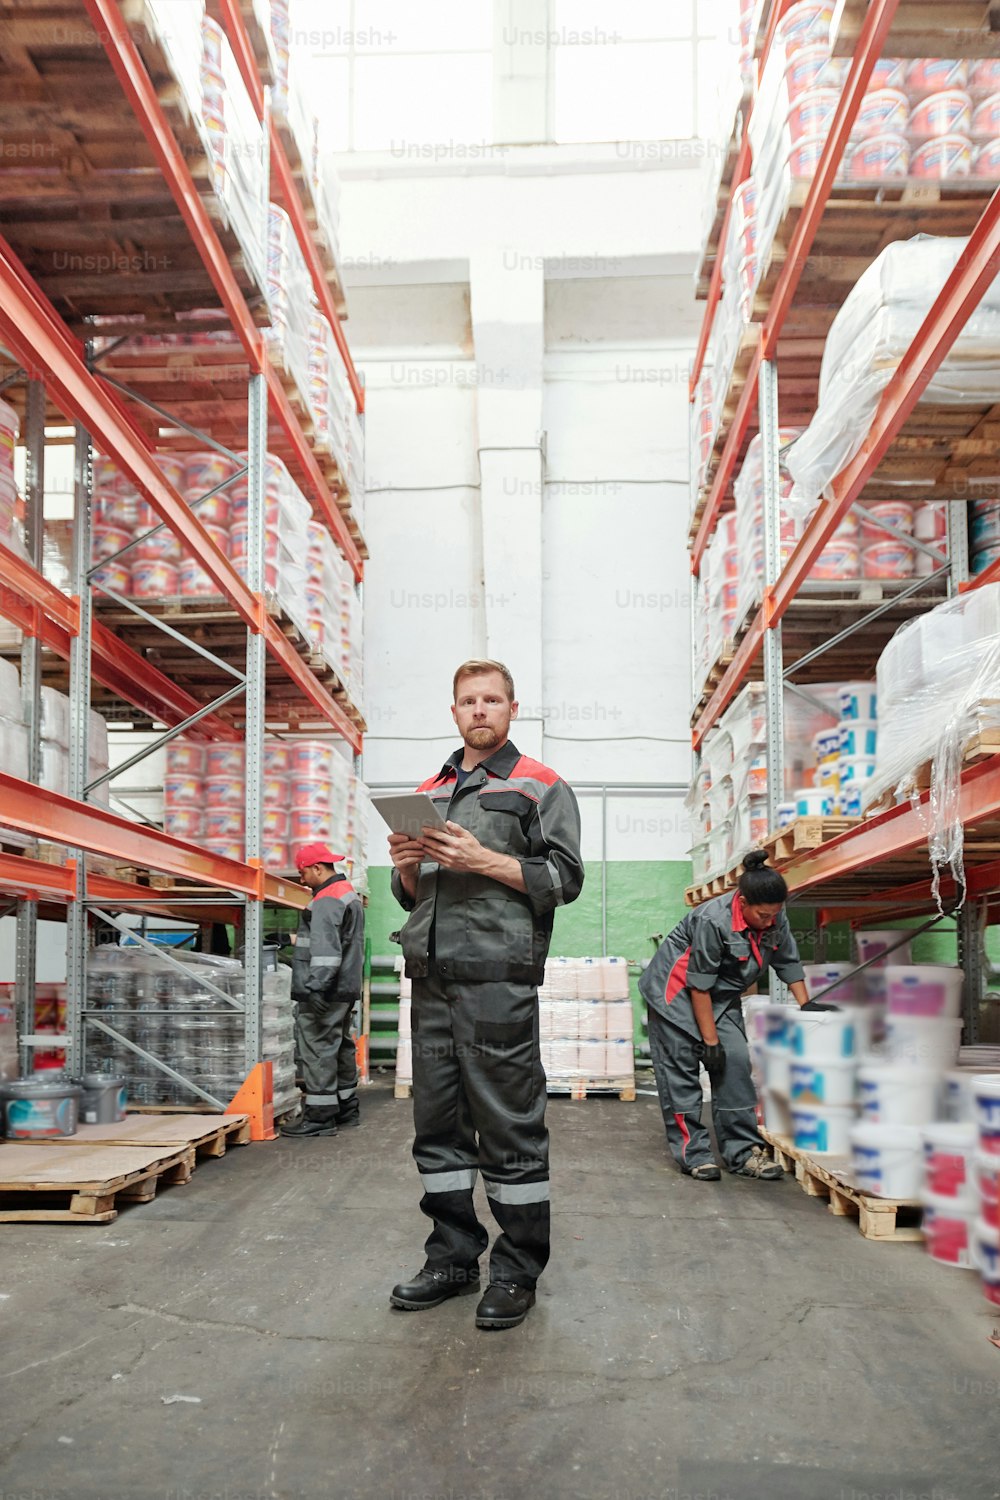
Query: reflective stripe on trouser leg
678,1085
444,1145
497,1027
734,1101
319,1029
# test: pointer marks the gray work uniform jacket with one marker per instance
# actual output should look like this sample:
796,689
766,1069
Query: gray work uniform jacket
713,949
469,926
329,952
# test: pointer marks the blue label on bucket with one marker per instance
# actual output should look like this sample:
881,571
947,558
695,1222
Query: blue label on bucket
989,1109
35,1117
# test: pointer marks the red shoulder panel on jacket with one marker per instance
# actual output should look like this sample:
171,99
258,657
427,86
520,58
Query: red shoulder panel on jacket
528,767
335,892
432,781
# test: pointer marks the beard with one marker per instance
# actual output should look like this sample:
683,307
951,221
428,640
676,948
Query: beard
482,738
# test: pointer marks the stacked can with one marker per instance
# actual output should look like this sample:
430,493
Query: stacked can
119,513
225,800
311,771
275,814
202,471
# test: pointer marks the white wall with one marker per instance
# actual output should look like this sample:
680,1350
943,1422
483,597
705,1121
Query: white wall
564,554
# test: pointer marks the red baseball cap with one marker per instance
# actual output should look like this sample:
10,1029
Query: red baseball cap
317,854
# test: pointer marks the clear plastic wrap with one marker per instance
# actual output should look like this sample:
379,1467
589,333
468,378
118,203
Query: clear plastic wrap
941,669
871,333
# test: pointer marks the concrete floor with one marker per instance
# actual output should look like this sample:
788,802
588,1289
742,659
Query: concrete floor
692,1341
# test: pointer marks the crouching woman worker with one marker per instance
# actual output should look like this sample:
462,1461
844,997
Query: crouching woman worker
692,990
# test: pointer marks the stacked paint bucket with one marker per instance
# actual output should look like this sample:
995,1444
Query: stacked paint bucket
585,1020
807,1062
845,759
961,1170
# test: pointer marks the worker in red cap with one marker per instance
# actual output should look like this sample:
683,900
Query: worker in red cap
327,965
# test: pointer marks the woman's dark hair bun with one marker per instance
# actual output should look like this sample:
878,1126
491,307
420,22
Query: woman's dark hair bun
755,860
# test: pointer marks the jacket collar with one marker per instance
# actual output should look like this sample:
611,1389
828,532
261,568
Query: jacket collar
740,923
337,875
500,763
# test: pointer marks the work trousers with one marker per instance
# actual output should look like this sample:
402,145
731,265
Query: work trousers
477,1072
325,1054
678,1083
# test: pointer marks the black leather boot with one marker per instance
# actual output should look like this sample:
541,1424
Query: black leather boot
504,1305
430,1288
349,1115
311,1122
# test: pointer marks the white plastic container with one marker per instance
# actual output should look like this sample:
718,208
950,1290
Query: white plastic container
886,1159
924,1041
986,1258
777,1115
778,1023
947,1231
959,1105
820,976
823,1080
896,1094
858,737
834,1034
986,1175
948,1153
986,1105
923,989
874,945
813,802
823,1129
778,1070
858,700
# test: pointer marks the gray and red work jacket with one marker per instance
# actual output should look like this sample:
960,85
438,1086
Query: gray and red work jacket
329,952
469,926
714,949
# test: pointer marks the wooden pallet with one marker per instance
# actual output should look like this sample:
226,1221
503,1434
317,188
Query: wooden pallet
206,1135
884,1219
981,747
59,1182
924,28
402,1090
583,1088
783,845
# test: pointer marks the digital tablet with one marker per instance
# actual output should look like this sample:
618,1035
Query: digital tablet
409,813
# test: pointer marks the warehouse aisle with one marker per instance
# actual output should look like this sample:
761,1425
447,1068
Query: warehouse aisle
233,1340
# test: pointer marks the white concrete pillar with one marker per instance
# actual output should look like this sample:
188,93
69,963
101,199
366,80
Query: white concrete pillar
521,71
508,327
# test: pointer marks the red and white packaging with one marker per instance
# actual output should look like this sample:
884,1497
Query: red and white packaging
205,469
182,790
161,546
880,156
308,791
193,581
984,77
224,823
275,824
183,822
277,758
225,759
840,560
172,467
930,521
946,113
887,560
224,791
312,758
934,75
225,848
185,758
986,119
311,823
275,790
114,576
812,113
106,540
154,580
986,162
883,111
898,513
949,156
276,857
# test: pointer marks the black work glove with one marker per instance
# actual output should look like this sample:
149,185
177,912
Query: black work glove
714,1057
819,1005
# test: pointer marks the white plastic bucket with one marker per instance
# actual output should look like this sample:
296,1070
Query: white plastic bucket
778,1022
986,1174
947,1231
896,1094
777,1115
924,1041
986,1107
986,1258
823,1129
959,1106
832,1033
778,1070
924,989
858,700
948,1152
874,945
820,976
823,1080
886,1159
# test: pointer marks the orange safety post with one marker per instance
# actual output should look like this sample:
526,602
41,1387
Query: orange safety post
255,1097
361,1044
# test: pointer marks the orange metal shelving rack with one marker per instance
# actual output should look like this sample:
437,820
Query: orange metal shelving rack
60,370
879,853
